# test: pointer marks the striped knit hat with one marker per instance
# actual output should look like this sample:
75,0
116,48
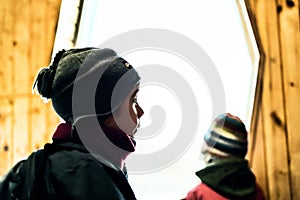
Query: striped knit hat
227,136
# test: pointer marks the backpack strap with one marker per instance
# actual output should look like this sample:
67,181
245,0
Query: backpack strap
10,184
18,182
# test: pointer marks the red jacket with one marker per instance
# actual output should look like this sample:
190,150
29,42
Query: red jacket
203,192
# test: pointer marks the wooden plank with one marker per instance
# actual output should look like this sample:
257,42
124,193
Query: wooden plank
6,44
22,45
6,127
290,44
38,57
258,158
273,112
26,42
20,82
20,132
52,118
43,20
53,10
256,111
41,117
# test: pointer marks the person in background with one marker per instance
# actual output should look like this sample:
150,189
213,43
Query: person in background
227,174
94,91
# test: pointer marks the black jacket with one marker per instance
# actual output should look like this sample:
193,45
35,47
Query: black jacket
64,171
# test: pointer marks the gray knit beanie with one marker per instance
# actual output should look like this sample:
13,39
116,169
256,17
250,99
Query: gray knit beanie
56,82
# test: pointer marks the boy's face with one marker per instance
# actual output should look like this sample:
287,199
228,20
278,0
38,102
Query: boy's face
126,117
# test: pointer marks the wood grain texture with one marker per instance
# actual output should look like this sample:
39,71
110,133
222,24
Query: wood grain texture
290,56
277,113
28,30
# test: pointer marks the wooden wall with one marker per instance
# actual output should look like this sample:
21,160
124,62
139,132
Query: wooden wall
27,30
275,128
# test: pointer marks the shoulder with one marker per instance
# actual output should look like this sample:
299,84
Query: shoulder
79,175
196,192
203,191
68,158
74,163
